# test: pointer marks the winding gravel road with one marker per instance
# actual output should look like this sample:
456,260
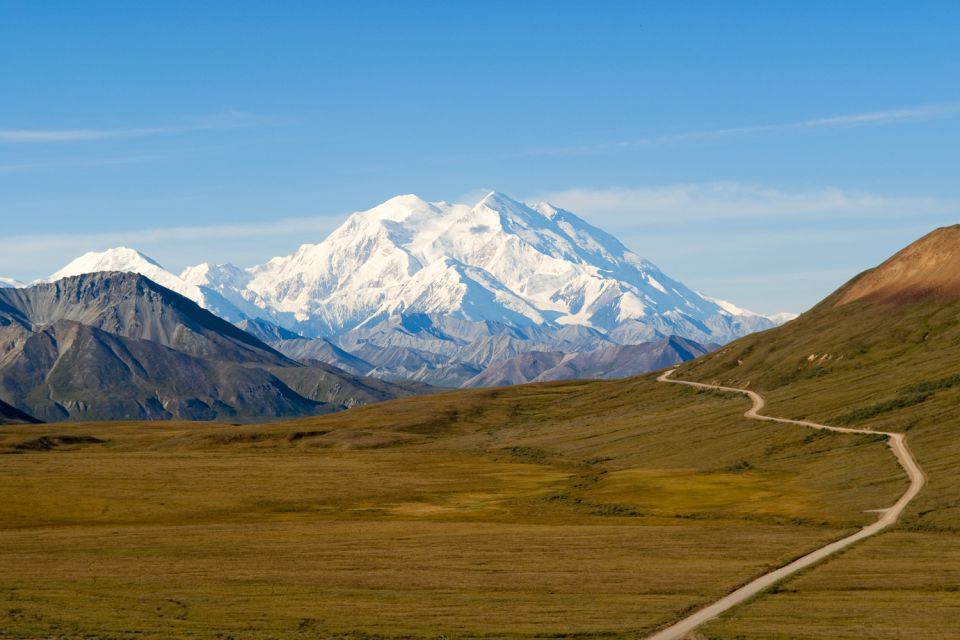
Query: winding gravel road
898,444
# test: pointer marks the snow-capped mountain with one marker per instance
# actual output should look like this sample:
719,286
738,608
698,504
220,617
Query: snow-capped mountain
129,260
10,283
413,287
729,307
497,261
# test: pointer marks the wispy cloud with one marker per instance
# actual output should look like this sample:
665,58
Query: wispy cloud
18,167
78,135
30,256
732,200
266,228
917,113
225,120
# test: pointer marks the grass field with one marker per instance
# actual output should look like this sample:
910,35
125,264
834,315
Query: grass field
600,509
871,366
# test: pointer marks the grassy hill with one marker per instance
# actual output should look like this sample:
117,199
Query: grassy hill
883,352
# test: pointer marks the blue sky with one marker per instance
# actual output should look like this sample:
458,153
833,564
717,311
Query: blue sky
762,152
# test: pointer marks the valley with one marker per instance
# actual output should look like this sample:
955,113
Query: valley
600,509
887,516
593,509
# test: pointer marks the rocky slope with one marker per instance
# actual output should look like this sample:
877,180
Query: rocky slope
120,346
12,415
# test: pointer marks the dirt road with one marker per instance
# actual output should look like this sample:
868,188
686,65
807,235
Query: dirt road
898,445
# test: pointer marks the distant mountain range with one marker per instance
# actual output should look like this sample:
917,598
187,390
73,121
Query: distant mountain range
437,292
120,346
618,361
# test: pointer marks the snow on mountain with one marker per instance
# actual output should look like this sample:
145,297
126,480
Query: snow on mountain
223,285
125,259
499,260
783,317
10,283
436,277
732,309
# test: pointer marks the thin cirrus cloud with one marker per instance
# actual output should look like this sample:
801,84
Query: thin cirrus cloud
893,116
28,257
225,120
282,227
18,167
732,200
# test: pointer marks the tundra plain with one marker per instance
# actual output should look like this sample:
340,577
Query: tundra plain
571,509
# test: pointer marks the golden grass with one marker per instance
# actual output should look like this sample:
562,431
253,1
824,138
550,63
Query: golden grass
406,577
866,358
898,585
599,509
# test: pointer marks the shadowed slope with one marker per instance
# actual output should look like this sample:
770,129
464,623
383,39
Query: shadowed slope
133,306
12,415
110,346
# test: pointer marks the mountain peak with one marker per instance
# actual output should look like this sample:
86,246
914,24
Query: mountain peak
114,259
214,275
122,259
399,208
204,280
406,200
927,268
495,200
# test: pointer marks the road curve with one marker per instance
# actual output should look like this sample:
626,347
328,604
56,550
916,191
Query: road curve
898,444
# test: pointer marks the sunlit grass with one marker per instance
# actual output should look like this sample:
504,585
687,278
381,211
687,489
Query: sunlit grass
595,509
883,367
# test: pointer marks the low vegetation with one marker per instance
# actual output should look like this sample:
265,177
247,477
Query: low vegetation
579,509
890,367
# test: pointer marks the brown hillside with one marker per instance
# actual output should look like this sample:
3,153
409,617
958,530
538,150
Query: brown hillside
928,268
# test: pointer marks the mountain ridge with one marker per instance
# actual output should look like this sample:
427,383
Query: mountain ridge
116,345
499,260
927,267
435,292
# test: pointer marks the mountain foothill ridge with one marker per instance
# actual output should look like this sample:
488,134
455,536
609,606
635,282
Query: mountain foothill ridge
117,345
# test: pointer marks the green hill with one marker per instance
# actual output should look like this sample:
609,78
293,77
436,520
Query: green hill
882,352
